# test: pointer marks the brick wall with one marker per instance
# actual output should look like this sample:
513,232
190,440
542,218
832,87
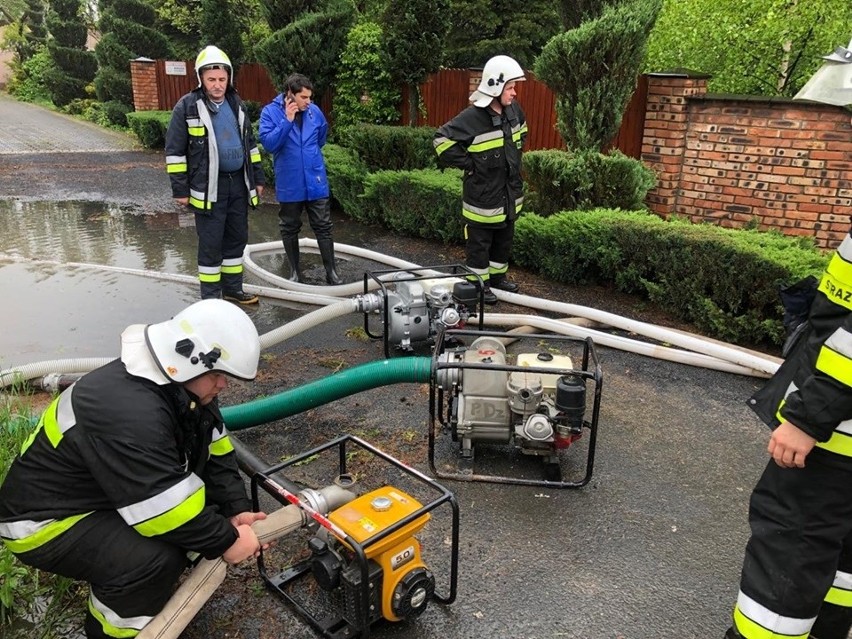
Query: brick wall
143,74
739,161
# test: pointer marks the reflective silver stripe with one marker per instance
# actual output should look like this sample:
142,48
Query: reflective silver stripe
219,435
209,270
232,261
498,266
65,417
840,342
843,580
113,619
485,137
194,122
198,195
175,159
212,153
772,621
165,501
481,211
519,202
845,248
22,529
519,127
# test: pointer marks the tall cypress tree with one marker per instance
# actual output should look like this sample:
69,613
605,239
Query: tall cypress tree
126,34
73,65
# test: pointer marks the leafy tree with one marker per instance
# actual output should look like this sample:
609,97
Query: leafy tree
592,70
757,47
73,66
281,13
311,45
126,33
484,28
365,91
222,26
414,39
575,12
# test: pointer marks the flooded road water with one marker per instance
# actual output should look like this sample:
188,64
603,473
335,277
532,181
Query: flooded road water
63,306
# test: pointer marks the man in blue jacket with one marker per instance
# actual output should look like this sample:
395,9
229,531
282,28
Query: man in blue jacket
294,130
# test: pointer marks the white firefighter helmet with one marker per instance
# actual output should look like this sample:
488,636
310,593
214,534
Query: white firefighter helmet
495,74
211,57
210,335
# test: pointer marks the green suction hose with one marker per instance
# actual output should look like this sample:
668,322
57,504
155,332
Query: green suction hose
328,389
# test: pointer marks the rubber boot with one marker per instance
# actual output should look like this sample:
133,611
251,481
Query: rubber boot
503,283
211,291
833,622
326,248
488,296
291,249
732,634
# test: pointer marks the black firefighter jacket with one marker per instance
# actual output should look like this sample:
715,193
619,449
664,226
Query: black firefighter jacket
192,157
487,146
813,387
113,441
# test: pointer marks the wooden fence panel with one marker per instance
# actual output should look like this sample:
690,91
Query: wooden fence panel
444,95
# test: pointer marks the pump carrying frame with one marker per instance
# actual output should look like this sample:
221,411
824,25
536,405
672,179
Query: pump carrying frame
335,626
438,421
417,274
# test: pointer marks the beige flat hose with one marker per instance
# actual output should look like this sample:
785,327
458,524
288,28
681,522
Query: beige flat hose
209,574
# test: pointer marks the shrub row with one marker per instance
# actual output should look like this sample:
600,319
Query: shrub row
150,127
724,281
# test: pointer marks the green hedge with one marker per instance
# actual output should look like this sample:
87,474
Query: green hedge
150,127
563,181
346,177
724,281
424,203
391,148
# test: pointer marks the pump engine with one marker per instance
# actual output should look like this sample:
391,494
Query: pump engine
534,401
416,304
365,560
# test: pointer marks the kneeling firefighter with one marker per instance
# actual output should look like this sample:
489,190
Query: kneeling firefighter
130,469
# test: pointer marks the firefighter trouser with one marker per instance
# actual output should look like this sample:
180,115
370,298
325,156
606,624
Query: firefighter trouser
131,576
222,237
799,554
488,248
319,217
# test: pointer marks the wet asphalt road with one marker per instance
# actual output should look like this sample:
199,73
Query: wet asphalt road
651,548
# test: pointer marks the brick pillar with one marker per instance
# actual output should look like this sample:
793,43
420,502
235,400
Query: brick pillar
143,76
664,140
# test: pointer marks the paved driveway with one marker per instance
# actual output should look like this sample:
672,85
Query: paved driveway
28,128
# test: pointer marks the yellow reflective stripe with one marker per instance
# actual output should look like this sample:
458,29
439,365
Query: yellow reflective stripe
254,200
197,131
748,628
839,597
255,155
835,365
221,446
176,168
173,518
485,146
443,146
839,443
108,628
44,535
51,423
199,204
210,277
836,291
232,269
840,269
485,219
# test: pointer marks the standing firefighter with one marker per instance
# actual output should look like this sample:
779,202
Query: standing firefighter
485,141
215,169
797,574
131,468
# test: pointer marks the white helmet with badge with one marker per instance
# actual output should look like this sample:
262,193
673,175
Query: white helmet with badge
495,74
208,336
211,57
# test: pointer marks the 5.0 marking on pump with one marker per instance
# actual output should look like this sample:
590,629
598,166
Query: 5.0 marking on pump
402,557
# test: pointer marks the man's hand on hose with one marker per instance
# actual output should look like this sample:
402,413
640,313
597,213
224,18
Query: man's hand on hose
245,547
